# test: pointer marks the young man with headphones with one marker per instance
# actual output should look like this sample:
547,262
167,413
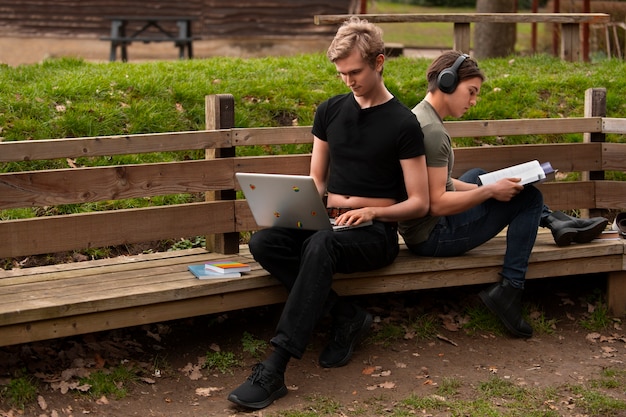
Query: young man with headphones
464,214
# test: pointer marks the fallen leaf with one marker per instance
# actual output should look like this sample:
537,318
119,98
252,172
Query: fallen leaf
192,371
102,400
445,339
368,370
99,360
42,402
206,392
593,337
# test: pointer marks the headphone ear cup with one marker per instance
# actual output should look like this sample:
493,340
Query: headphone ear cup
447,81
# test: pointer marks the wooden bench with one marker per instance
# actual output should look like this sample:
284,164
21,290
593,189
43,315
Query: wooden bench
151,29
74,298
570,24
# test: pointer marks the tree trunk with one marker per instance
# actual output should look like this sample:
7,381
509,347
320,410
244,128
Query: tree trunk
494,39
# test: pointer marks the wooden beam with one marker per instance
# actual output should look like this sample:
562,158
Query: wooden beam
118,227
470,18
112,145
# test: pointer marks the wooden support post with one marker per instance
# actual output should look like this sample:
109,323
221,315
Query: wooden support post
570,42
220,114
595,106
462,37
616,292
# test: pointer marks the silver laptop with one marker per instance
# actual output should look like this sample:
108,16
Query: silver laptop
290,201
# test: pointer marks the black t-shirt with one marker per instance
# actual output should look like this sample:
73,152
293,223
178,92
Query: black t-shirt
366,145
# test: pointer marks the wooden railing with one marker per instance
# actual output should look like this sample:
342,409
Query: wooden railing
569,22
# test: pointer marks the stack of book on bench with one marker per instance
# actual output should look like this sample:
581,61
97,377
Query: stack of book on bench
219,269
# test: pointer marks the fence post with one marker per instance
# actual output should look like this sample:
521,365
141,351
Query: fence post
220,114
595,106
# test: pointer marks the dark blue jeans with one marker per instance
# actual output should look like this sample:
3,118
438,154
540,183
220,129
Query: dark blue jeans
454,235
305,261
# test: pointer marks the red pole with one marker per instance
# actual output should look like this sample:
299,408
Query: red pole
363,7
533,28
555,30
585,34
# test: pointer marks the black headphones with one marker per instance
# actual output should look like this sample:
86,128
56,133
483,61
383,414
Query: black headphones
448,79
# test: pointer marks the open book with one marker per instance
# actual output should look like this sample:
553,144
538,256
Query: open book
529,172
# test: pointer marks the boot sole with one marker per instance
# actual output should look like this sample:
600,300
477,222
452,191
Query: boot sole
590,233
585,235
485,298
365,327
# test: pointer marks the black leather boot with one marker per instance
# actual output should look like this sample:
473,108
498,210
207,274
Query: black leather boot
566,229
505,302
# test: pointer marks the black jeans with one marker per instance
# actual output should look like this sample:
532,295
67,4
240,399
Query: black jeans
305,261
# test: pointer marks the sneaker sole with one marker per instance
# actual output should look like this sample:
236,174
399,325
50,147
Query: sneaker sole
279,393
365,327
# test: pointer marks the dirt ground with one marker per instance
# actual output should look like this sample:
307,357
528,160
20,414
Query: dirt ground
24,50
167,356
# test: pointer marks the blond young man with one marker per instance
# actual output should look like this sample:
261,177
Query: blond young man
368,161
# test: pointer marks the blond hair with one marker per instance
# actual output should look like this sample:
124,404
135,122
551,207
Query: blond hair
356,33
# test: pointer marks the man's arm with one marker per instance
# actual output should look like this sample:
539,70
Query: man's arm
319,164
417,202
462,185
446,203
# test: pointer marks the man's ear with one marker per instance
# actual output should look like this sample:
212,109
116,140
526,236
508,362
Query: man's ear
380,61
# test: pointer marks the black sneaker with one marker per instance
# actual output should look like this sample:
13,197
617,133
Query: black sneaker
345,334
262,388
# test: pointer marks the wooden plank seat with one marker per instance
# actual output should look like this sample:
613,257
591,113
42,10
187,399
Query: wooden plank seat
68,299
76,298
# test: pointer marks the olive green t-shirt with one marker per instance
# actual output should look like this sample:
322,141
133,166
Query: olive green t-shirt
439,153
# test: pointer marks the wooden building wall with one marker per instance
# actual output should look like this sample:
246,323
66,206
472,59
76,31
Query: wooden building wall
215,18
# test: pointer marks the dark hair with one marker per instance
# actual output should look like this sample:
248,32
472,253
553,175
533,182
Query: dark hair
468,69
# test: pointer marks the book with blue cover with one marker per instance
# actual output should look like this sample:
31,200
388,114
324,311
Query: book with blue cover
202,273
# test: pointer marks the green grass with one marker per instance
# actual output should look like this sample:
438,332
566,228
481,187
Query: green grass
19,391
221,361
253,346
116,98
107,382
